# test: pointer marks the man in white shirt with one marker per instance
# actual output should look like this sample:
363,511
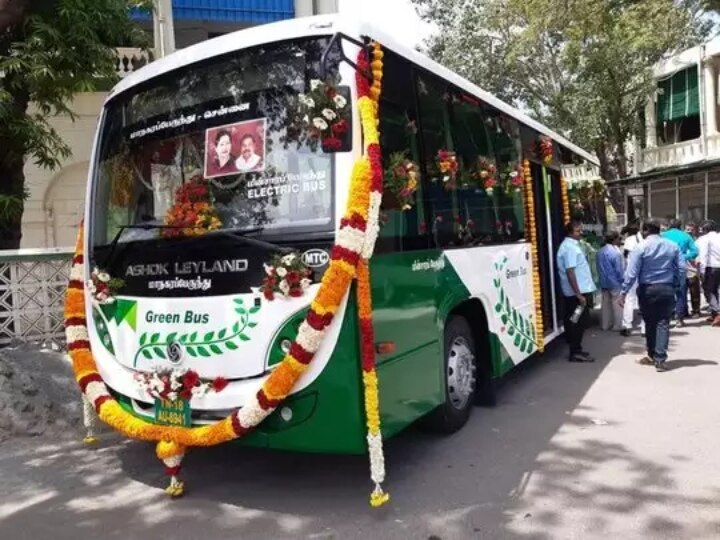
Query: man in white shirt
709,266
248,161
633,239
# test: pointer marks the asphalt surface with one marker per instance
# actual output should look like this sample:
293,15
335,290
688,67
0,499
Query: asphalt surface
606,450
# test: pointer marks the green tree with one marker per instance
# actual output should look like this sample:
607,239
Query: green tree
49,51
583,67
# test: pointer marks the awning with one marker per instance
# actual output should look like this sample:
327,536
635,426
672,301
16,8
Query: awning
678,96
232,11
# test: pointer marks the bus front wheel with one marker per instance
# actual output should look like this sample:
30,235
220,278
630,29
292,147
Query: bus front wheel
460,378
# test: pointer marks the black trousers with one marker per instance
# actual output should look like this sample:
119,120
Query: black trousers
711,284
574,331
694,288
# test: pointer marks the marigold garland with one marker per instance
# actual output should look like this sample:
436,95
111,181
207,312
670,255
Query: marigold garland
531,225
364,298
565,199
355,239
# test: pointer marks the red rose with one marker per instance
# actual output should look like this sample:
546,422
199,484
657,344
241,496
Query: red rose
186,394
331,92
219,384
268,294
293,278
190,379
330,144
295,292
400,171
339,128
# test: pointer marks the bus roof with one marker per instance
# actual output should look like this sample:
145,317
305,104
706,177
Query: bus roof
322,25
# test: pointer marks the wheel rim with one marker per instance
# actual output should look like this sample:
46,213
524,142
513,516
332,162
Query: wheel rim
460,373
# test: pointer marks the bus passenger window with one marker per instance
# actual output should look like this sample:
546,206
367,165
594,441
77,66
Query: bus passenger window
403,226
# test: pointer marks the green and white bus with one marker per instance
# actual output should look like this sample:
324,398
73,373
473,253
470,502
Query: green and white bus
212,130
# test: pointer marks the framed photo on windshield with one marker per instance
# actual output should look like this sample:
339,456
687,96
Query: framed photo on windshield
235,148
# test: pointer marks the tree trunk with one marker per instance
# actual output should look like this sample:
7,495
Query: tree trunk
12,185
12,13
12,180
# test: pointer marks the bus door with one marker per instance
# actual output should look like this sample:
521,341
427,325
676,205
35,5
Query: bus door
558,234
547,241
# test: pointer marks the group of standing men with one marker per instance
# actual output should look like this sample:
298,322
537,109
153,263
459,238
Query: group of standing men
650,270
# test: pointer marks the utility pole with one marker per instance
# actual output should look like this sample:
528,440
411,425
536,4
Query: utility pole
163,28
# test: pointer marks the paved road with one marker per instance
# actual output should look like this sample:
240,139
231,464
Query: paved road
608,450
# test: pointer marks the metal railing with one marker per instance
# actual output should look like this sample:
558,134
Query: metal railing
32,295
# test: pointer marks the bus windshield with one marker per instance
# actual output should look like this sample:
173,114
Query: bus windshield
226,144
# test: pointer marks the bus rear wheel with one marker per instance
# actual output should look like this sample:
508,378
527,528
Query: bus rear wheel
460,378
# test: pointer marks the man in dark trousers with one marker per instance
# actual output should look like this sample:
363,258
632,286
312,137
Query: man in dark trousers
577,287
656,265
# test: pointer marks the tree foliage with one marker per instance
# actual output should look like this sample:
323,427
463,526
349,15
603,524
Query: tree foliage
583,67
49,51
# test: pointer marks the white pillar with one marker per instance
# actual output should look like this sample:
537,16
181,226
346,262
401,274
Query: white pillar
710,99
163,28
303,8
306,8
651,123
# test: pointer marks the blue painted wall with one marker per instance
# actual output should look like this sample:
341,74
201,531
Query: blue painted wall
240,11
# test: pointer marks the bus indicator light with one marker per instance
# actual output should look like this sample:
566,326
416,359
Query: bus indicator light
385,347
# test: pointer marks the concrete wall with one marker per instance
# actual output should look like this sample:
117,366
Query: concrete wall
57,197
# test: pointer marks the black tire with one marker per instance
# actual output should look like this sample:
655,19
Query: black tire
455,411
485,395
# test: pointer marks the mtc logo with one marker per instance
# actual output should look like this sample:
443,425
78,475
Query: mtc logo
315,258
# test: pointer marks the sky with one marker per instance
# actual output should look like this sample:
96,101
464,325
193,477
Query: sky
395,17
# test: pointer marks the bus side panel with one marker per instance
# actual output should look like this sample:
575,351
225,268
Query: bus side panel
328,416
405,290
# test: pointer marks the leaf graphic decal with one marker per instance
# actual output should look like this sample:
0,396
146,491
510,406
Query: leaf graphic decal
215,349
231,346
143,339
155,338
202,351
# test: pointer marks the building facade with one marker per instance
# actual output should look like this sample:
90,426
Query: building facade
676,169
57,198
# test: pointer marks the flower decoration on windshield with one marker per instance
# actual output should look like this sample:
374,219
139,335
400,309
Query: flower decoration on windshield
447,165
103,287
193,213
401,181
486,174
326,113
174,384
286,275
545,150
515,180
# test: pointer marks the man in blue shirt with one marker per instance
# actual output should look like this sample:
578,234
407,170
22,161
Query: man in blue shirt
689,252
610,267
656,265
577,287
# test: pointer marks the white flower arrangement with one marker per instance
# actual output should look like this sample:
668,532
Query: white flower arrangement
319,123
287,275
103,287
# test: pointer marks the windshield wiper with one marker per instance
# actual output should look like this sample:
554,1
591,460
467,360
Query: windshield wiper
143,226
240,236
